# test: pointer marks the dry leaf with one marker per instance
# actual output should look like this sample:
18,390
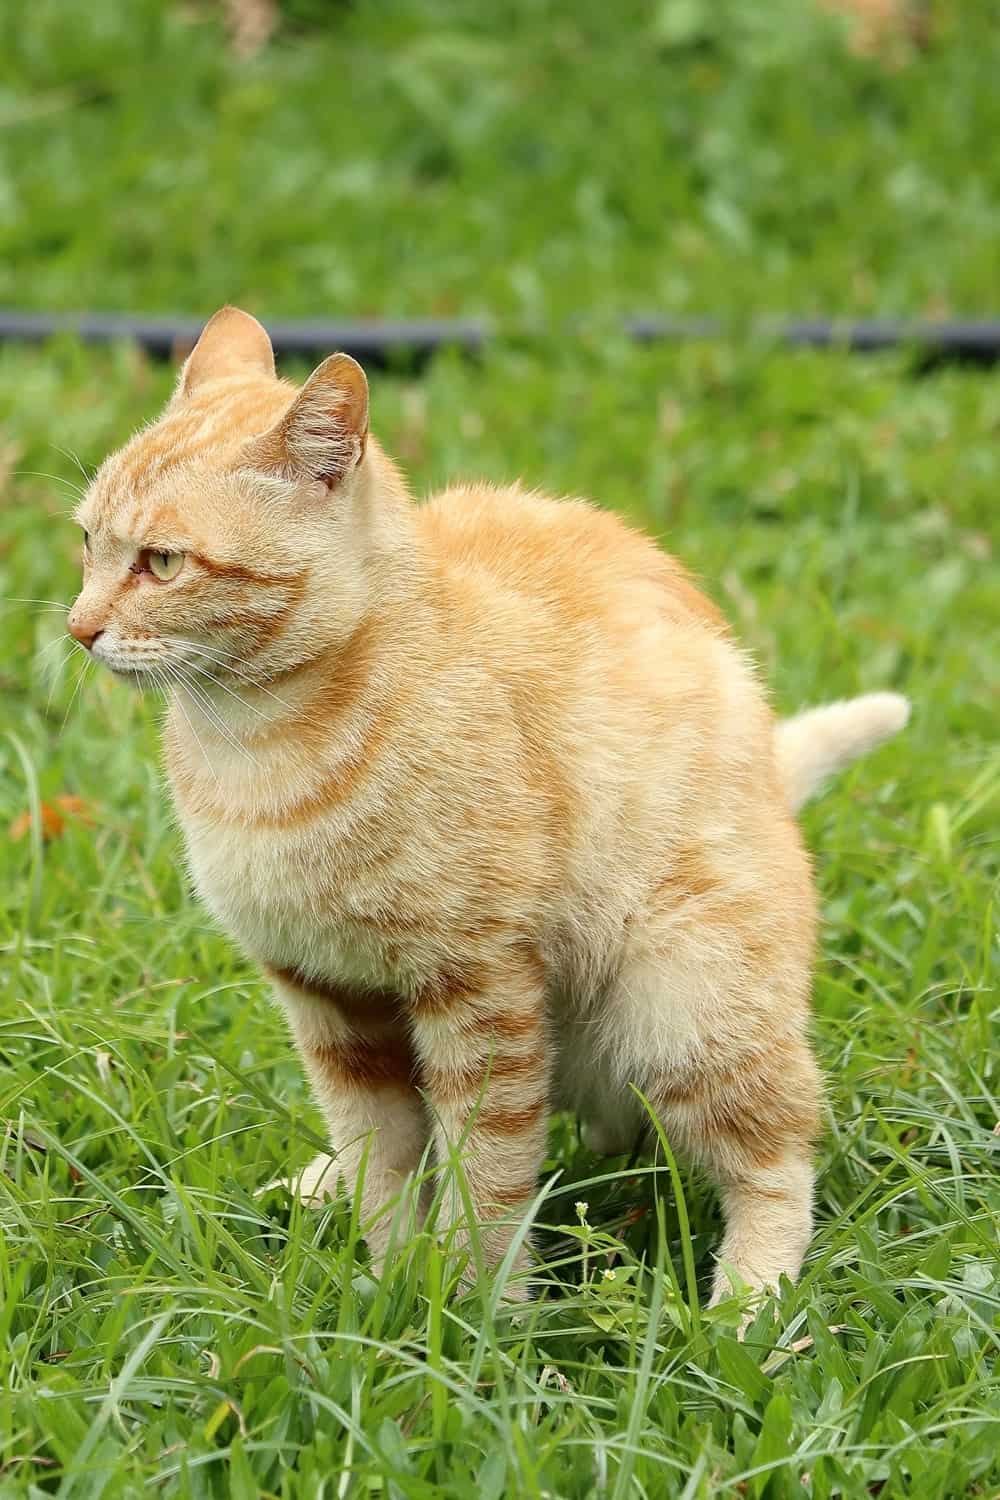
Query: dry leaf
74,807
52,823
799,1346
53,816
549,1372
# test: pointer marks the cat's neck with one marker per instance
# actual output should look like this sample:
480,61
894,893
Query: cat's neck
237,750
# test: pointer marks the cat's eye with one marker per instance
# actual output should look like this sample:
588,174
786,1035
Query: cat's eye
164,565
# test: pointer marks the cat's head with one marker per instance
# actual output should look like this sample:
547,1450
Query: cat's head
232,532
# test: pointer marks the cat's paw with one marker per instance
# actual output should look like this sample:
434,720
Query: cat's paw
314,1185
516,1289
516,1293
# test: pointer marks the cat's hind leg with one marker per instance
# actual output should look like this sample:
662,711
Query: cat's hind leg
752,1130
709,1019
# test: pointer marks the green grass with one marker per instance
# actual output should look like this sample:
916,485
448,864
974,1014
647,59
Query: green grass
165,1328
526,158
164,1322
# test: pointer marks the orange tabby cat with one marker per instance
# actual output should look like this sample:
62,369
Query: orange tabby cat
485,786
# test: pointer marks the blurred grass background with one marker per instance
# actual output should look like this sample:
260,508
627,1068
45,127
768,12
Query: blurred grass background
160,1324
527,158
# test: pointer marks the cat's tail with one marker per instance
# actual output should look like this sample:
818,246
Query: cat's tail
814,744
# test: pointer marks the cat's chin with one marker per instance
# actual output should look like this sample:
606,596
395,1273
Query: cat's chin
137,676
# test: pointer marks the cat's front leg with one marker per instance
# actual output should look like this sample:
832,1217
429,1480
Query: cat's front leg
484,1060
364,1077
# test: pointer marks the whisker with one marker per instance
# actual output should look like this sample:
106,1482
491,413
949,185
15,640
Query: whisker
200,671
226,660
172,677
201,698
220,725
44,609
75,459
44,659
55,674
18,599
57,640
218,657
76,688
78,490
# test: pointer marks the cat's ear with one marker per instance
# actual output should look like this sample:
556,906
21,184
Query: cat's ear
323,434
231,343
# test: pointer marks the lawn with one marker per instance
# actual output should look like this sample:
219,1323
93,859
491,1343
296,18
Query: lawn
167,1327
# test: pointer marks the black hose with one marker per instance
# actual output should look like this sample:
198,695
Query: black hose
375,342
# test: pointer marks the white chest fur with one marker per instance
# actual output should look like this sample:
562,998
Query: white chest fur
286,899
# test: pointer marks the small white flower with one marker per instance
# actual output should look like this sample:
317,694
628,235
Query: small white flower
609,1275
581,1210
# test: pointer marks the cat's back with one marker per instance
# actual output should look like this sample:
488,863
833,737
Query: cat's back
595,634
562,560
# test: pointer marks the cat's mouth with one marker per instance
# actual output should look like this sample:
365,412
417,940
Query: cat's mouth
134,667
137,676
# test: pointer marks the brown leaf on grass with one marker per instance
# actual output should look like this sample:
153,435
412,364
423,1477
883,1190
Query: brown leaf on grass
52,822
53,817
799,1346
549,1372
251,1353
74,807
781,1356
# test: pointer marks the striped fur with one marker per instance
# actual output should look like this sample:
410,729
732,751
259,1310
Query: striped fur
487,788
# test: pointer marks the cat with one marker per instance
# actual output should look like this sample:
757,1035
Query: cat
487,789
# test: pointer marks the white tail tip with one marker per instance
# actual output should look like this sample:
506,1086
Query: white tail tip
821,741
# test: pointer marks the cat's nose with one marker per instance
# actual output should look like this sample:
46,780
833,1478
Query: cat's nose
82,632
